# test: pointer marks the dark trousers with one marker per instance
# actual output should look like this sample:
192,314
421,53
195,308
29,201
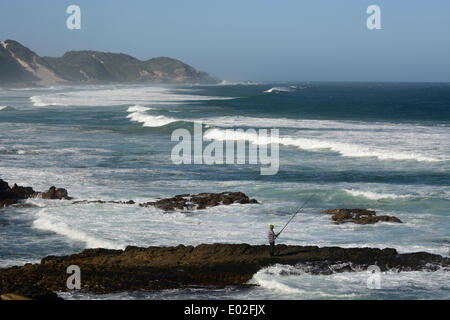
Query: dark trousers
272,248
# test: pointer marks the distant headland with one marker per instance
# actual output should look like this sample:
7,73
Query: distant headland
20,66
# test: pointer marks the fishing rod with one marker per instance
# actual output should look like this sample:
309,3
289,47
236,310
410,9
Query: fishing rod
298,210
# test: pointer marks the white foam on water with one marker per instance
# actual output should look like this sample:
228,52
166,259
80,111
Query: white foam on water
237,83
138,114
312,144
374,195
3,107
16,262
138,108
48,222
269,278
116,226
279,89
290,282
383,140
117,97
239,121
41,101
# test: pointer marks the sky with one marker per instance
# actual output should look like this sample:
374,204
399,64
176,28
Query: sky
259,40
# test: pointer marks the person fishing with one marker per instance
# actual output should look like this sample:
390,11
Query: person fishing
272,237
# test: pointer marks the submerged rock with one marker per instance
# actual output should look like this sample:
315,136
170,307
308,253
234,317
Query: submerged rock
359,216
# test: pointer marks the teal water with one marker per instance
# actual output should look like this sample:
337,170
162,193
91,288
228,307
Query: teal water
373,145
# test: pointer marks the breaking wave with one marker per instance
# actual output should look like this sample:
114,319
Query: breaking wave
284,89
375,196
289,282
6,108
279,89
48,222
312,144
138,108
138,114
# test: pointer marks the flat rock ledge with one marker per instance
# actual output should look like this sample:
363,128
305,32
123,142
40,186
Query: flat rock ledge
359,216
205,265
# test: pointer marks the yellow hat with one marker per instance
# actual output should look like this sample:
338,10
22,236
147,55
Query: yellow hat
271,226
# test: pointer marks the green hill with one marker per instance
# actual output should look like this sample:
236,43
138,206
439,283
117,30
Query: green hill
19,64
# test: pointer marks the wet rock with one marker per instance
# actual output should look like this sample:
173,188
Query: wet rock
7,202
13,296
103,202
24,292
4,187
54,193
199,201
23,192
218,265
352,211
12,196
359,216
16,192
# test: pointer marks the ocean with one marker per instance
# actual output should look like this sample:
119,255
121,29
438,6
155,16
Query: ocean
380,146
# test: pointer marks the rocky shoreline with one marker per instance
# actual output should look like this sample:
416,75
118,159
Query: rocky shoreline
206,265
13,196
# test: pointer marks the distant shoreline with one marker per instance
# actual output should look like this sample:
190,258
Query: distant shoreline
23,67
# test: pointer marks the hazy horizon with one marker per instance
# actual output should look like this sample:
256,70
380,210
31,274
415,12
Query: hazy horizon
317,41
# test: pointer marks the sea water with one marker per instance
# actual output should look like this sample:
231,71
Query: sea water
381,146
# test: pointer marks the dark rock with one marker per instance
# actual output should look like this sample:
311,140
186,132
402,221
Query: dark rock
227,200
199,201
353,211
156,268
7,202
9,196
19,292
4,187
103,202
23,192
359,216
342,216
54,193
5,191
